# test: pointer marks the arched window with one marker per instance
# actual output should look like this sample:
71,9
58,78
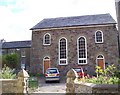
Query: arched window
47,39
63,51
99,36
82,50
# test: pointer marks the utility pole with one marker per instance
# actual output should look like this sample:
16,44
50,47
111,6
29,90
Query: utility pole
117,4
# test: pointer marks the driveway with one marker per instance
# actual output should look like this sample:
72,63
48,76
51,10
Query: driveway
51,87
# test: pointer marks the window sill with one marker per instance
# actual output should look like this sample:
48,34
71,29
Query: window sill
99,42
63,64
46,44
82,63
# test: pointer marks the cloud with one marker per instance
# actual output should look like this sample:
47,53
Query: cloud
13,5
7,2
18,16
12,21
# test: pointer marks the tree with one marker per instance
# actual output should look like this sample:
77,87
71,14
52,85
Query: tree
11,60
117,72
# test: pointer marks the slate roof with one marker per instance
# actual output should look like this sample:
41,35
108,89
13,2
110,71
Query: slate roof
99,19
16,44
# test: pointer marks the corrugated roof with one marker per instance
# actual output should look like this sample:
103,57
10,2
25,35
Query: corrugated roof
16,44
98,19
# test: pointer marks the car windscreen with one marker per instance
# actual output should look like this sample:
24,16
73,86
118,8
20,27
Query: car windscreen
78,70
49,71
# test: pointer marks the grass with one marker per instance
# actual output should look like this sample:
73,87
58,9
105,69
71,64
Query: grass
33,83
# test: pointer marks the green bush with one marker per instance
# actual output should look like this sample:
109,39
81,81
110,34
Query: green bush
11,60
33,83
117,72
106,76
103,80
7,73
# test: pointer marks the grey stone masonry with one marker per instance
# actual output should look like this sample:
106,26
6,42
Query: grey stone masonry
109,47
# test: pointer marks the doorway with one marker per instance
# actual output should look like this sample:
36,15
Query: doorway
46,63
101,61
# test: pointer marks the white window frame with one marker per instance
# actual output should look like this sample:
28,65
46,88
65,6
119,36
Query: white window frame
65,59
49,39
85,51
96,36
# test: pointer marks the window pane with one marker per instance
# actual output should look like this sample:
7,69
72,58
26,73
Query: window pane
99,36
100,56
63,50
47,39
82,47
82,61
62,61
82,50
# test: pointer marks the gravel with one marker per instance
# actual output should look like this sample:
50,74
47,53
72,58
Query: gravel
51,87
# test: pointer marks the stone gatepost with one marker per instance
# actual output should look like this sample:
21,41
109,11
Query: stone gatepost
22,84
71,77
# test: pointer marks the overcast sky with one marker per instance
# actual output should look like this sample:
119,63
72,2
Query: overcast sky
18,16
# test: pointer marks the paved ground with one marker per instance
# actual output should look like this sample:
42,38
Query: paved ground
51,87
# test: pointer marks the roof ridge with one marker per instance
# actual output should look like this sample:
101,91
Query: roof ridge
17,44
76,16
70,21
18,41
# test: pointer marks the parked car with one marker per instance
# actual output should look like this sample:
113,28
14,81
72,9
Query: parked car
52,74
81,72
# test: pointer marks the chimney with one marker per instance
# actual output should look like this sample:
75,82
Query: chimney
117,4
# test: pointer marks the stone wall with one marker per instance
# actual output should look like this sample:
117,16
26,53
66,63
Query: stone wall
95,88
8,85
18,86
109,48
75,86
